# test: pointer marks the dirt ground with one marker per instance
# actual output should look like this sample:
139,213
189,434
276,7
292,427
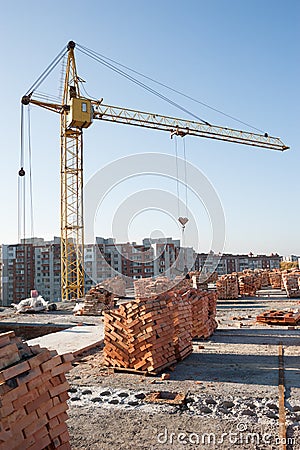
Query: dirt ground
230,383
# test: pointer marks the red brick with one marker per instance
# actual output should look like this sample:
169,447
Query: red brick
64,396
62,417
9,355
65,437
41,433
55,380
53,362
57,390
7,422
38,379
16,439
14,371
35,426
6,337
14,394
42,410
53,423
39,359
62,368
26,443
4,388
64,446
56,401
61,428
41,444
62,377
31,375
25,421
25,399
35,404
56,410
67,357
6,410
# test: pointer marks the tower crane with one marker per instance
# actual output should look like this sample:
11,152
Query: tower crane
78,112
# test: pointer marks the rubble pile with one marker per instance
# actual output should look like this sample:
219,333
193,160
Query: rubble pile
291,283
34,394
150,334
275,279
247,284
228,287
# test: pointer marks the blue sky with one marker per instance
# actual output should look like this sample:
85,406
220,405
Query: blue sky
239,57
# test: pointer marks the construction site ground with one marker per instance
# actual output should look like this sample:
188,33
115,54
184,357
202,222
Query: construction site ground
230,382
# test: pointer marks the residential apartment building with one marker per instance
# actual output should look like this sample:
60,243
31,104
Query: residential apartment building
228,263
32,264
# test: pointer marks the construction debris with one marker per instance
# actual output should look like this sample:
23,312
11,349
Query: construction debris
34,394
279,317
30,305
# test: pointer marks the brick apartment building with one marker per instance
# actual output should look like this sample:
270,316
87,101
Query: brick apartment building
35,263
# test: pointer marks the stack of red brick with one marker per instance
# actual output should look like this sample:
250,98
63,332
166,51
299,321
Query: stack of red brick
97,300
34,395
228,287
291,282
150,288
275,279
116,285
204,308
152,334
265,278
247,284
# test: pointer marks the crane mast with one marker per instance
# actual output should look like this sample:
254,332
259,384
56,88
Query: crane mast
71,188
78,112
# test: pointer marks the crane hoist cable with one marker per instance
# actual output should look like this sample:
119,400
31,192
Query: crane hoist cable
168,87
139,83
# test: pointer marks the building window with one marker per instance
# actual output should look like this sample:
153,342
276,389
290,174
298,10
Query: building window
84,107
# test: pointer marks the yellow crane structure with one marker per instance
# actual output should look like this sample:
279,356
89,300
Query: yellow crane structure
77,113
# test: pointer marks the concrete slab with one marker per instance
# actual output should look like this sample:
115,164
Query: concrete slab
72,340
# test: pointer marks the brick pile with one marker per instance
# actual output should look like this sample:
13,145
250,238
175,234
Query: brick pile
148,335
116,285
204,306
291,282
149,288
265,278
247,284
275,279
97,300
33,390
228,287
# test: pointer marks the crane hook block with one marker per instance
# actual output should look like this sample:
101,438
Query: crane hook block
21,172
71,45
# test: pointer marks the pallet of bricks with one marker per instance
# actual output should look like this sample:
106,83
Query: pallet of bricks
265,278
204,308
247,284
151,334
34,394
227,287
275,279
291,282
97,300
148,335
150,287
